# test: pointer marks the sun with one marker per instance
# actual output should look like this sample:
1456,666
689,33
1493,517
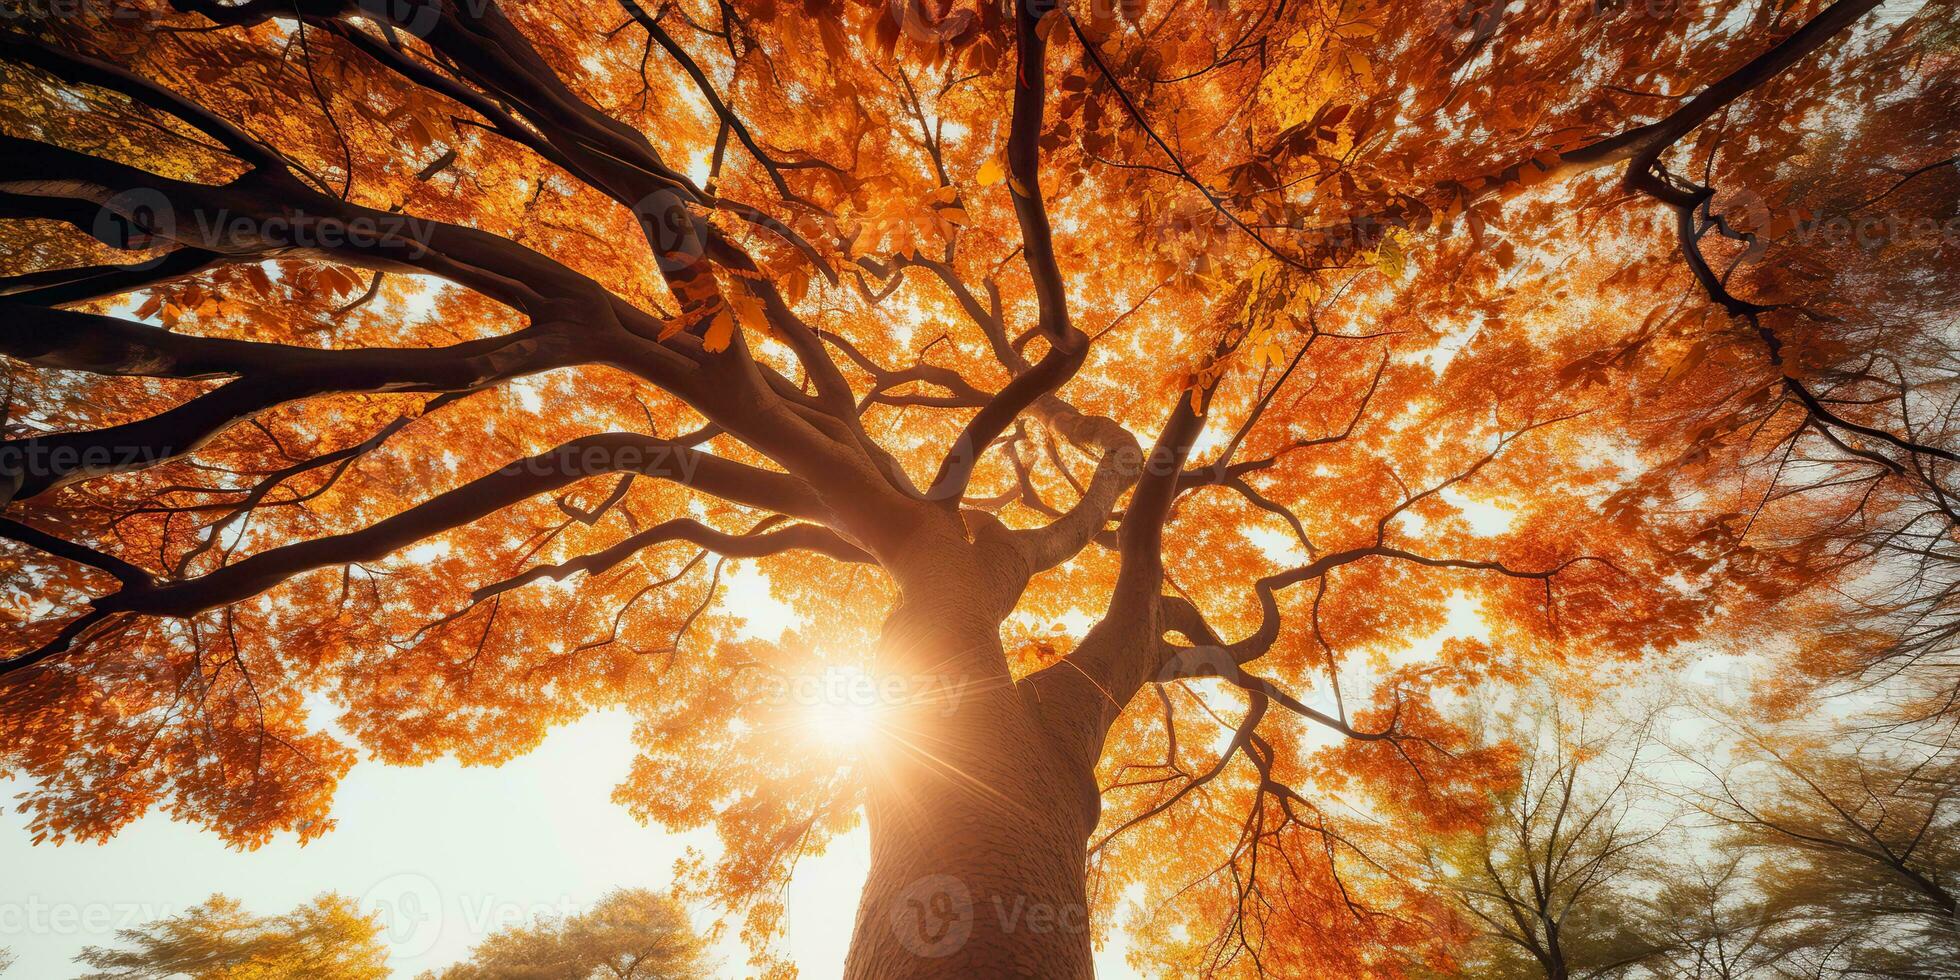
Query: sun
841,709
845,725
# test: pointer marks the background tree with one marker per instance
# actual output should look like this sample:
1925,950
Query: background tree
630,934
419,356
1859,844
327,938
1554,881
1713,923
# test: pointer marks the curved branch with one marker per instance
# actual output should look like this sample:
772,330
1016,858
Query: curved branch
1255,645
1059,540
268,375
76,68
59,287
588,456
806,537
1068,347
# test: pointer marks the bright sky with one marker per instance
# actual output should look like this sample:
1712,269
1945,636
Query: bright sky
447,854
482,845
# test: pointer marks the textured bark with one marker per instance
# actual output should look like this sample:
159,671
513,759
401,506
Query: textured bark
979,820
977,858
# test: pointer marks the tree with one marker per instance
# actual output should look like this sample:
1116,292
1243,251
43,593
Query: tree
1714,924
1860,842
435,356
630,934
1552,882
327,938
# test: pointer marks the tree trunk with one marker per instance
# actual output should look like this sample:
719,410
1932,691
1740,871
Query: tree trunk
979,822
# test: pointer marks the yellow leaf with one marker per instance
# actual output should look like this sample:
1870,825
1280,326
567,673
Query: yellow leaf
992,172
1359,62
1389,257
1689,361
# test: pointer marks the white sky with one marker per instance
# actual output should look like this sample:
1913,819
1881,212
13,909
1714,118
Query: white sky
446,854
483,844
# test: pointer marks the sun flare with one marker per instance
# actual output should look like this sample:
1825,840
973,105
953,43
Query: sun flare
844,725
840,708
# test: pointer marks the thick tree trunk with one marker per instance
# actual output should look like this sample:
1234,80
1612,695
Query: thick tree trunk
979,822
966,886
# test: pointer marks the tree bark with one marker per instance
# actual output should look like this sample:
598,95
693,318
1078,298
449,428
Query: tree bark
979,820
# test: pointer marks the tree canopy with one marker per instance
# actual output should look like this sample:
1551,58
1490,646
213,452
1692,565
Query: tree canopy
328,938
630,934
1154,416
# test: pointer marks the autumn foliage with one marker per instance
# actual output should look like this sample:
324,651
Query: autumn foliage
1202,400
